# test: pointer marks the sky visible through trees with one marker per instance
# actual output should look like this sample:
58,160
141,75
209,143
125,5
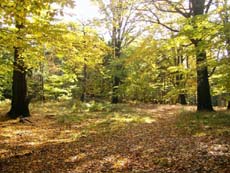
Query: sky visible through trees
84,10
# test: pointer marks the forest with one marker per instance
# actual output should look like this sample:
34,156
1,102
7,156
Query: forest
142,86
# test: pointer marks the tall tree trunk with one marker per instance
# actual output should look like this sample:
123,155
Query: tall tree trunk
226,21
116,77
181,97
116,83
83,94
42,82
20,102
179,77
204,102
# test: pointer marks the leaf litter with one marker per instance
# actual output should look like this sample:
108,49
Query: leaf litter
146,138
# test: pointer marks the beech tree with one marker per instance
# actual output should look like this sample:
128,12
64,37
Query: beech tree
194,11
85,64
120,20
225,17
222,48
24,27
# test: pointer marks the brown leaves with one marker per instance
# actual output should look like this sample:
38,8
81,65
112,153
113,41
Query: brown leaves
94,145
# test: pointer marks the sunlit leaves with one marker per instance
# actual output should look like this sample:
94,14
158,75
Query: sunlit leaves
27,25
199,27
79,50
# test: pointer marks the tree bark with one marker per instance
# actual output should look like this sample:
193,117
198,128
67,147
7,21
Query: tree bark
116,83
83,94
116,77
182,99
196,8
179,77
226,22
20,102
42,82
204,102
228,107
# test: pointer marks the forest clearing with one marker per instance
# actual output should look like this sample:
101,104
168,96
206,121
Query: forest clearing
114,86
127,138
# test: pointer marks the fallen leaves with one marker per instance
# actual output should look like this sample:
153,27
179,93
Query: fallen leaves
148,141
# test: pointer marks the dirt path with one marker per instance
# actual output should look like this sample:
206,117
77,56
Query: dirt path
145,139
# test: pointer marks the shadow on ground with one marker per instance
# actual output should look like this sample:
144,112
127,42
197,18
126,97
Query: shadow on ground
131,139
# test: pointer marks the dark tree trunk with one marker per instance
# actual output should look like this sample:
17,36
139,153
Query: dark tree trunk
116,77
228,51
20,102
42,97
182,99
116,83
83,94
204,102
228,107
179,81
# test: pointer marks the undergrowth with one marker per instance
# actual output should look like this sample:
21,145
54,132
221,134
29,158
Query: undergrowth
204,123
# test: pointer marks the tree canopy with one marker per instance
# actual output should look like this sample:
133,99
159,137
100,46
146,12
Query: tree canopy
152,51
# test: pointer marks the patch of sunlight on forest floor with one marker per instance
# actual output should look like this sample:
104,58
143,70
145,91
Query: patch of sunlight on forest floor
115,138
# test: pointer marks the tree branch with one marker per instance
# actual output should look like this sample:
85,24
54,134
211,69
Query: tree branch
212,72
177,10
208,6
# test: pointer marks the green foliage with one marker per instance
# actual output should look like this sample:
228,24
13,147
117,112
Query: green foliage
28,27
57,87
67,60
106,116
5,75
91,106
159,70
65,119
30,34
200,28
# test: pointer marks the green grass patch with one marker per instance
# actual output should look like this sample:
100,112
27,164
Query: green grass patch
92,116
117,118
69,118
93,106
204,123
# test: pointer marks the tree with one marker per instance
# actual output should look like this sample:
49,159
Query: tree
225,17
177,50
120,18
22,20
152,68
85,64
221,49
194,11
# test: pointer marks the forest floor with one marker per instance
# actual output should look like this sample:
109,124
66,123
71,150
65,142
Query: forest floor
137,138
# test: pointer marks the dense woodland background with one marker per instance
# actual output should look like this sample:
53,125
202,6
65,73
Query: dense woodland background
139,51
